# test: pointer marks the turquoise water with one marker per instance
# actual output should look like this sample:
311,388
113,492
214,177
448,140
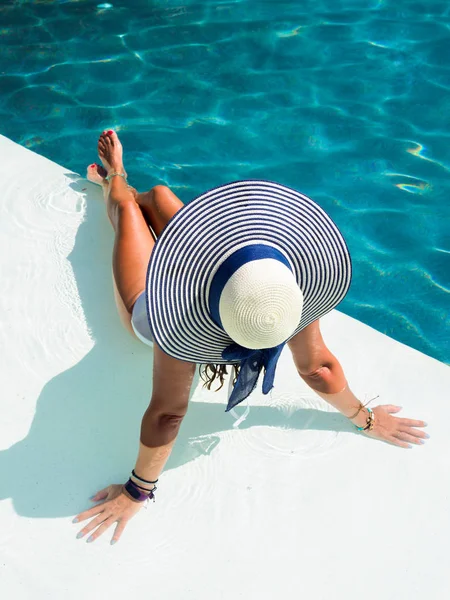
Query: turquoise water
345,100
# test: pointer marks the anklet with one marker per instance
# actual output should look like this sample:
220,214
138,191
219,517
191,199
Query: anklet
108,177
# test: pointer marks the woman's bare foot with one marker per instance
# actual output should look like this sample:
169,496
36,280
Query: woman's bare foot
96,174
110,152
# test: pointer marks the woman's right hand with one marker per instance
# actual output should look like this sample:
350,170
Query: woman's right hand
114,507
395,430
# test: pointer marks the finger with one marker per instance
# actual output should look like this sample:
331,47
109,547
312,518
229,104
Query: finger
392,408
101,495
88,514
119,530
413,423
415,432
94,523
396,442
91,512
103,527
406,437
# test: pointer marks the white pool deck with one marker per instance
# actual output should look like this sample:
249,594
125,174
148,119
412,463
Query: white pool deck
293,505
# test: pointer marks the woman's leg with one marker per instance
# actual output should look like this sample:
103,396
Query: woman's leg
158,207
133,242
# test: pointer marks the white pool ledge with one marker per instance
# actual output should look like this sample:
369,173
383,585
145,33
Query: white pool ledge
292,505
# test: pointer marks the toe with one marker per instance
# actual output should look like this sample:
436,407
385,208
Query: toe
113,137
101,171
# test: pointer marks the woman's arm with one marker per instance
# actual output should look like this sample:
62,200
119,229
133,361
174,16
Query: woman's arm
172,380
321,370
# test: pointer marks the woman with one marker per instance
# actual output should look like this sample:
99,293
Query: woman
238,273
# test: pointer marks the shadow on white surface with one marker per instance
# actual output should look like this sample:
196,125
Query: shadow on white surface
85,430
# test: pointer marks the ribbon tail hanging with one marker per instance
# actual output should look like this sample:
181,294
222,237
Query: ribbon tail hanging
238,418
270,368
245,383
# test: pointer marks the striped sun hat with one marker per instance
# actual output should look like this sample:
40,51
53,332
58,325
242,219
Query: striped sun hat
238,272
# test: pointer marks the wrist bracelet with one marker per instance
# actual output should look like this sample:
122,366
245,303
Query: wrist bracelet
133,472
369,423
135,494
361,405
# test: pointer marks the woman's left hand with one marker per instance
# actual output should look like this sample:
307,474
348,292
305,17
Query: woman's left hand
116,507
394,430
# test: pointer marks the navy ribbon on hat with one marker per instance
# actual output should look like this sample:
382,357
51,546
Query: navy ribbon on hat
251,361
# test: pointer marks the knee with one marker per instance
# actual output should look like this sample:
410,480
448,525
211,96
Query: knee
158,190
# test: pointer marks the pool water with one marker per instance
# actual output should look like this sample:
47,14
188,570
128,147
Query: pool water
345,100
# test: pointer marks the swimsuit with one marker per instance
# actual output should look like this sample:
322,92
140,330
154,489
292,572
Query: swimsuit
139,321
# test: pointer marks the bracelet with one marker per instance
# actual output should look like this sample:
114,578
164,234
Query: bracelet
108,177
134,493
370,422
143,488
361,405
133,472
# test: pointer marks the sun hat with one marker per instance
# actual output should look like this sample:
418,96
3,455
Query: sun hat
238,272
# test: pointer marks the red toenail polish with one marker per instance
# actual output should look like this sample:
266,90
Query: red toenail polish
110,132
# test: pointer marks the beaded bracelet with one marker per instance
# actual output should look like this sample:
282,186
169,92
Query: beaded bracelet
370,421
108,177
361,405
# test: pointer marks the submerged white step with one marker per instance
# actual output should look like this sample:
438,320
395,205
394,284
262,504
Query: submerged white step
294,504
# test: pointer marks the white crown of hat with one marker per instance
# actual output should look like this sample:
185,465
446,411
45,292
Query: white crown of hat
261,304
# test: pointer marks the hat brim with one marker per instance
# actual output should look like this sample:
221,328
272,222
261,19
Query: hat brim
213,226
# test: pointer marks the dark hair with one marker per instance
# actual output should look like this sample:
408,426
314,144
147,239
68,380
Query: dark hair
210,372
